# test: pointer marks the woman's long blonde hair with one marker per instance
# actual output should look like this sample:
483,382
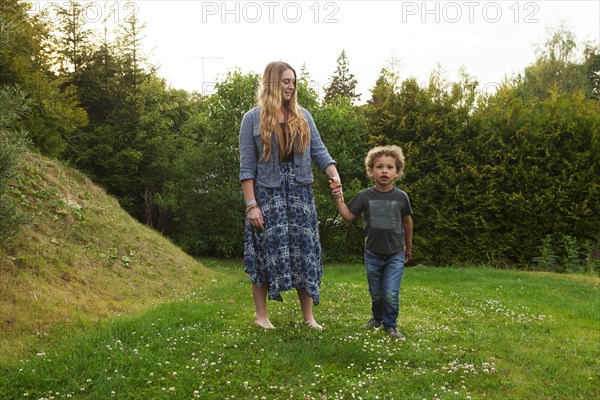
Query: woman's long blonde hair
270,100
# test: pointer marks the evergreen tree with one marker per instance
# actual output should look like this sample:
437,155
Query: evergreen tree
307,90
342,82
129,50
54,112
75,39
382,110
131,112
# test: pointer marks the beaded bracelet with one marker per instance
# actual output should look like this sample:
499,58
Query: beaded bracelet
250,208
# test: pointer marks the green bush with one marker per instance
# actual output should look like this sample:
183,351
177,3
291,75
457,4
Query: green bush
547,260
13,105
571,256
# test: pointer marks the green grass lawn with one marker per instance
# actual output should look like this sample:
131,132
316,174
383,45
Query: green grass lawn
471,333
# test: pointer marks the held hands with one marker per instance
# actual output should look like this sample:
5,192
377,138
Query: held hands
336,188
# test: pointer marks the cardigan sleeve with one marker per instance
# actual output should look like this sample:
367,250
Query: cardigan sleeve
248,151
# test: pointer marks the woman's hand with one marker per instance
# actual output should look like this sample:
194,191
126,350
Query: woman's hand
336,187
335,183
255,218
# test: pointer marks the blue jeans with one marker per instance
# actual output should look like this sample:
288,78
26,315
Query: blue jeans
384,274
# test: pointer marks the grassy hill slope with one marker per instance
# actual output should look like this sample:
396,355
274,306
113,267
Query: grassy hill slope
81,257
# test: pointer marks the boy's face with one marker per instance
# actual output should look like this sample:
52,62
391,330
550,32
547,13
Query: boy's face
384,172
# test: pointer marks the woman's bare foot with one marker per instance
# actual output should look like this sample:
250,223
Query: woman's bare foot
313,324
264,324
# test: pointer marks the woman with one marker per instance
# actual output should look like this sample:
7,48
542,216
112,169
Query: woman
278,143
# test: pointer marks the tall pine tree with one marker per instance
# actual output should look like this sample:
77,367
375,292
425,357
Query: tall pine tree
342,82
74,38
24,61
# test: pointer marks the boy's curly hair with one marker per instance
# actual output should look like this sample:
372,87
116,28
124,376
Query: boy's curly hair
390,151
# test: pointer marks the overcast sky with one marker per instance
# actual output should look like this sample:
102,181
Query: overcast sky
196,42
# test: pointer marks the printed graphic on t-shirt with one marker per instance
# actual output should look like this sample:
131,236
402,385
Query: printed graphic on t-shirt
383,214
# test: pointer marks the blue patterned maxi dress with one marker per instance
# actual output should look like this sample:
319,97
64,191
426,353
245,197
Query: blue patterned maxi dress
287,254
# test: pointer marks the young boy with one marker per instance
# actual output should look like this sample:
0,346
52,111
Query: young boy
388,233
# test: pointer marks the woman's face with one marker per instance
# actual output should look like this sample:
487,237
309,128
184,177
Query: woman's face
288,84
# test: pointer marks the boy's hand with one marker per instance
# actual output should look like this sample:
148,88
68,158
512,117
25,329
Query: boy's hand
336,187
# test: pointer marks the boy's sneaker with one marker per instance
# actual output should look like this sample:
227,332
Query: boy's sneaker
394,333
372,324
